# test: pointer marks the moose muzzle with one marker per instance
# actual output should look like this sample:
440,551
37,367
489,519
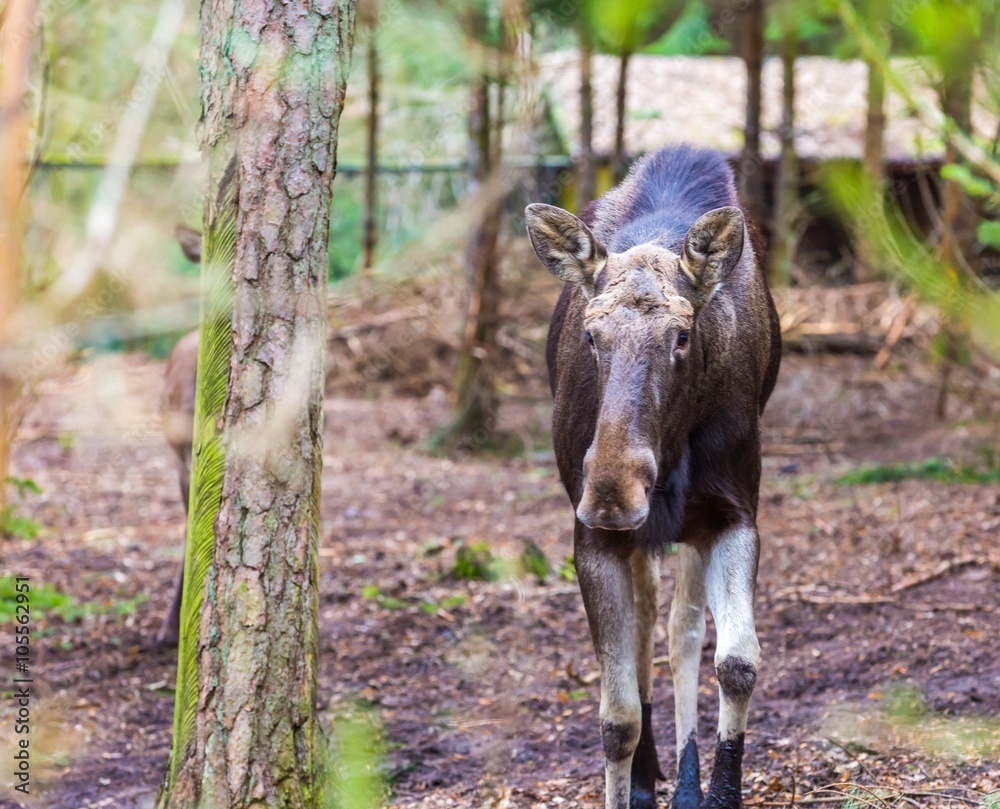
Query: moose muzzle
616,489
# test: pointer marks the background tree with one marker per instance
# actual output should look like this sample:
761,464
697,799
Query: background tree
476,396
623,29
245,731
955,59
751,169
16,39
368,12
787,184
587,168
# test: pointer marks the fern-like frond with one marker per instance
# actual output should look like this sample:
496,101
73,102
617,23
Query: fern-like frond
208,457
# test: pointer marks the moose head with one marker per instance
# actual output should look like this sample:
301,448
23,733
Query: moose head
641,329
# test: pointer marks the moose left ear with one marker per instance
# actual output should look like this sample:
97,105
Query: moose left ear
712,247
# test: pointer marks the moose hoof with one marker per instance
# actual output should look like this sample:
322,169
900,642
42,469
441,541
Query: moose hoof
686,799
725,800
642,799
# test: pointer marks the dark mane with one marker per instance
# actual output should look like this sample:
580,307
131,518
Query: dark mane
664,194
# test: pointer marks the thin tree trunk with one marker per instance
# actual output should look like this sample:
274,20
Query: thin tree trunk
786,197
246,733
476,395
477,399
587,176
874,162
618,159
751,162
959,219
371,167
16,39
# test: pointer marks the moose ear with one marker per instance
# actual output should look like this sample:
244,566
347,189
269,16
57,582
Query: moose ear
190,242
712,247
565,245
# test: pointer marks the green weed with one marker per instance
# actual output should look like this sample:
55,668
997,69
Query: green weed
931,469
13,524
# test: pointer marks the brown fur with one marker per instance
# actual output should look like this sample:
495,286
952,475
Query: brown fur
663,350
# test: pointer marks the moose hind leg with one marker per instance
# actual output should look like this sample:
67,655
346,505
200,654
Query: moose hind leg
687,634
730,584
606,585
645,765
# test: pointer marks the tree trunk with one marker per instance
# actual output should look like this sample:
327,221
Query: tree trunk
476,394
751,162
245,730
587,176
786,197
476,397
959,219
371,167
874,154
618,159
16,39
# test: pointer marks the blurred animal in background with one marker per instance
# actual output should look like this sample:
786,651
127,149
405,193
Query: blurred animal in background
663,349
177,411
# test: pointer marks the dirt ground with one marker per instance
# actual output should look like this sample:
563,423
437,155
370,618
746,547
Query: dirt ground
877,608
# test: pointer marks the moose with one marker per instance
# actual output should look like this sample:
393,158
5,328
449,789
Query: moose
177,412
663,349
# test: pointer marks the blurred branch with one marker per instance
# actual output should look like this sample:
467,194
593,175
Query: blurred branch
930,115
103,218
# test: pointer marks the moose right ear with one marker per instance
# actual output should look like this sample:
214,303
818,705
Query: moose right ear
565,245
190,242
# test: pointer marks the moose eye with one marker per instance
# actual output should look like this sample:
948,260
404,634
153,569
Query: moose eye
590,338
682,338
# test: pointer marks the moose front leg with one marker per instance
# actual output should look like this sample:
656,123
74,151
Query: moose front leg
645,765
606,585
687,634
730,582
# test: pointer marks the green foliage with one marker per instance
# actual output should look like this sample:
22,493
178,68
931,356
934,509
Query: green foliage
371,592
628,26
476,562
534,563
904,702
13,524
891,242
691,35
47,602
931,469
354,768
567,571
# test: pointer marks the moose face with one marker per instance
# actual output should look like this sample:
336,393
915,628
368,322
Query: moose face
640,329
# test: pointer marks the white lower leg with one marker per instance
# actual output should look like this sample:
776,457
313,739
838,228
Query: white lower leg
730,584
687,635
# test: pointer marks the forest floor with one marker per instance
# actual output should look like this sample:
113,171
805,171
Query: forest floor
878,606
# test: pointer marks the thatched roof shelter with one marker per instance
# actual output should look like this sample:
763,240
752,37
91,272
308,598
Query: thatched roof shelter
702,100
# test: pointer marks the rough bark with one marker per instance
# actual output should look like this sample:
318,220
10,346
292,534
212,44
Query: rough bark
16,38
273,82
369,10
786,196
621,93
587,174
751,179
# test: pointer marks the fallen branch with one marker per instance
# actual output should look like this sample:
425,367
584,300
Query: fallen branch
942,569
